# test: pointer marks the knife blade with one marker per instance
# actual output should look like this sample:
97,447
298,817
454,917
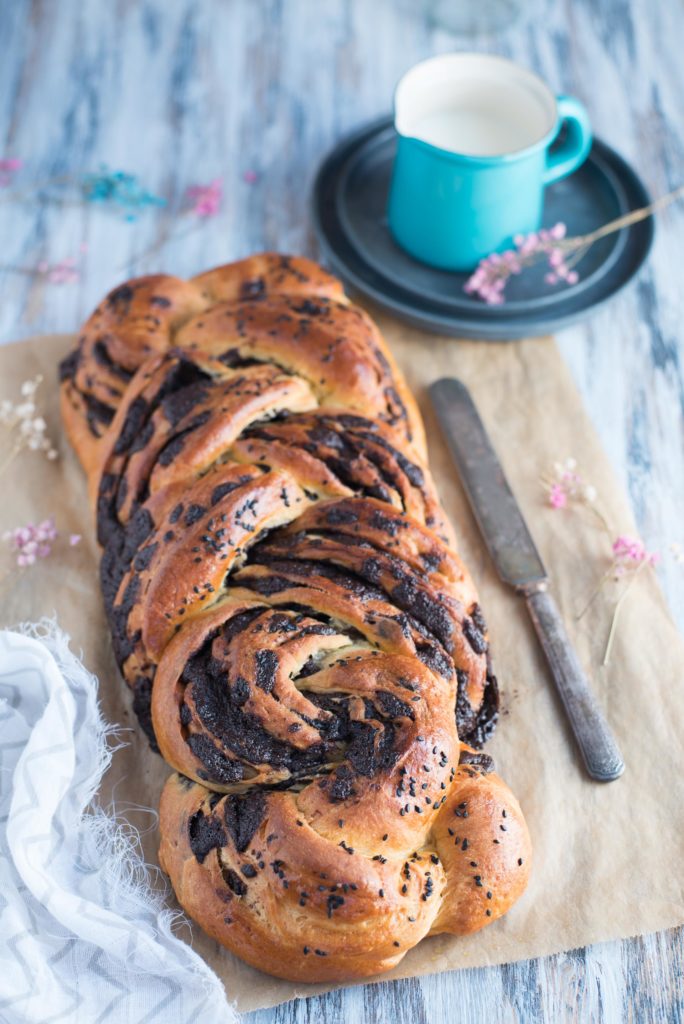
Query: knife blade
518,563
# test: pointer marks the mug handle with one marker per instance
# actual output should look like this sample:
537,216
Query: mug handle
574,149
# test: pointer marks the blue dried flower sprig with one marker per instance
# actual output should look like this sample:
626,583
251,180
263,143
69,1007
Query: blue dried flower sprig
119,188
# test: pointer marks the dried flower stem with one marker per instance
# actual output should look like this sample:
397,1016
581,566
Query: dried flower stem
595,592
616,613
627,219
12,195
11,456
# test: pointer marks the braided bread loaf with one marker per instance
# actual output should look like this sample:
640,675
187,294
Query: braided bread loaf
303,644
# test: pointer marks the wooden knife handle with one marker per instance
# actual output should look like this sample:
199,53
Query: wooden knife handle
601,754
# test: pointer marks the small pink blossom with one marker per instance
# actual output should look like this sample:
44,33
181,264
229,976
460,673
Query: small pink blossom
488,280
205,200
32,542
64,272
630,553
74,539
557,496
250,177
566,484
8,167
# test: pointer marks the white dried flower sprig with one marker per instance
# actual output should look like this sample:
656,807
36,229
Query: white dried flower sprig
565,486
28,429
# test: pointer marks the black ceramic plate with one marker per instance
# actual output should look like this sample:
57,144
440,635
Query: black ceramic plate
349,200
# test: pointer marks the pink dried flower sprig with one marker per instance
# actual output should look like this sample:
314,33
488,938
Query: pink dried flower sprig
564,487
64,272
630,554
493,272
34,541
561,253
630,557
205,200
9,165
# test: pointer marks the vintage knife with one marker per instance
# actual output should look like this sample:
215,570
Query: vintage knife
518,563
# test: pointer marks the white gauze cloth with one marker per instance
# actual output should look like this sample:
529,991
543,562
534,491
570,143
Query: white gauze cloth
84,937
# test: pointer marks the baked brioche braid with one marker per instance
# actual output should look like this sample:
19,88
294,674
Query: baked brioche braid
304,646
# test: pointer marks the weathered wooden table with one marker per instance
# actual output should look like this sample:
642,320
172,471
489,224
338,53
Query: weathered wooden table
255,92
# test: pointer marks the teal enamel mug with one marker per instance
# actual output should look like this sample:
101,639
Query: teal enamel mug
474,155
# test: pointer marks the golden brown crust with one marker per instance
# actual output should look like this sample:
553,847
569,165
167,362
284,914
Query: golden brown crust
290,898
147,316
334,346
303,643
268,273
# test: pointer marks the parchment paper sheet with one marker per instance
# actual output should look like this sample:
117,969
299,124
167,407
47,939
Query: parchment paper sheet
608,858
